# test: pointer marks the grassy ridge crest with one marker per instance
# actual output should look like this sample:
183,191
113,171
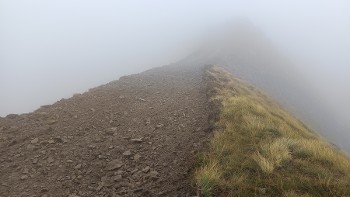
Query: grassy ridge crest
258,149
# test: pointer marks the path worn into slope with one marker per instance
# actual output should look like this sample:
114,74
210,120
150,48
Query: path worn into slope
133,137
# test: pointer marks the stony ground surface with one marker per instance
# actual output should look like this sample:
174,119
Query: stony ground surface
137,136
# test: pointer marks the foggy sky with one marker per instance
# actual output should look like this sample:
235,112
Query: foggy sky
52,49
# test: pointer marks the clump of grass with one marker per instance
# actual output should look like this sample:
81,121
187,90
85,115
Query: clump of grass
272,154
207,177
258,149
265,164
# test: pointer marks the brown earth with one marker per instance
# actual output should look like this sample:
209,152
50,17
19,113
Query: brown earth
137,136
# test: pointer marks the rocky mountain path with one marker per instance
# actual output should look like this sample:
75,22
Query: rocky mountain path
136,136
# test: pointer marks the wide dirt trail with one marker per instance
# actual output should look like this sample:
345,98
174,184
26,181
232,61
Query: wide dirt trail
137,136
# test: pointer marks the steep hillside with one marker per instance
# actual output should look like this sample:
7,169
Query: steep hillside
258,149
250,55
137,136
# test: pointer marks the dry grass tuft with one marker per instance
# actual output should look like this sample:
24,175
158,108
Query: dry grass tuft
265,164
273,154
207,177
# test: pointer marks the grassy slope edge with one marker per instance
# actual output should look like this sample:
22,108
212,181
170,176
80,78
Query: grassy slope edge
258,149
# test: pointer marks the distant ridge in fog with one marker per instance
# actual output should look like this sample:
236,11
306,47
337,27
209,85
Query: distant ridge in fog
245,51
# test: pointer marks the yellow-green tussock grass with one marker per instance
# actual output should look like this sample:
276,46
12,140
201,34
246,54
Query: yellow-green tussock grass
259,149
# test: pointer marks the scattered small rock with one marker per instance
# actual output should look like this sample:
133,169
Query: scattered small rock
106,181
13,142
77,167
51,141
159,125
146,169
111,130
114,164
30,147
51,122
119,172
148,121
34,141
127,153
35,161
24,177
137,140
133,171
100,186
50,160
117,178
137,157
25,171
59,140
154,174
102,157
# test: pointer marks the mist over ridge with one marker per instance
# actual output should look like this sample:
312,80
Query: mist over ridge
250,55
51,50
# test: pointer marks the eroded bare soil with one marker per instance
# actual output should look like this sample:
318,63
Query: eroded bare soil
137,136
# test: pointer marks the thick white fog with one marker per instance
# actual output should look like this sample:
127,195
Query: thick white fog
52,49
